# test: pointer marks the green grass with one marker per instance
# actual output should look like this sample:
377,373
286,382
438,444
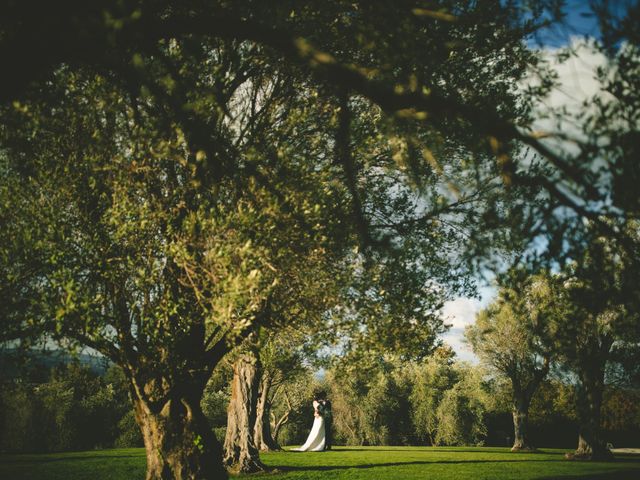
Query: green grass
353,463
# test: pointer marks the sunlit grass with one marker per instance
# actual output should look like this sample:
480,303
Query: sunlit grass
366,463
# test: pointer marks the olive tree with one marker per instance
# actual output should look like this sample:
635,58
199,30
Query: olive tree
601,321
511,337
143,259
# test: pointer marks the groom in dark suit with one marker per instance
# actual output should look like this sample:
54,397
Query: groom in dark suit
325,411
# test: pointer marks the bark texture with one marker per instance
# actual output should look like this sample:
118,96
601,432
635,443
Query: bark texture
240,452
591,443
262,436
521,403
178,441
524,387
521,434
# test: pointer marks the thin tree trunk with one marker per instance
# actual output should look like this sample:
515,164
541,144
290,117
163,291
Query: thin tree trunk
240,452
282,421
262,431
178,440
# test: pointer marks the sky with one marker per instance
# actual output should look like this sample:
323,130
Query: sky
576,83
579,20
462,312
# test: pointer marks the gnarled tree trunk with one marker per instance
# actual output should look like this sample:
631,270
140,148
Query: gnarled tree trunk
178,440
262,437
523,390
521,425
240,452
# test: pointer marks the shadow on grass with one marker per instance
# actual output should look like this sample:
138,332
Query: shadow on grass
500,450
289,468
619,457
483,450
617,475
31,458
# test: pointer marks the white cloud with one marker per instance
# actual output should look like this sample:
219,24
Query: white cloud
577,78
562,110
461,312
455,339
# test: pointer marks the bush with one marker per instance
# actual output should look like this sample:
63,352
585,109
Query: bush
214,406
18,432
220,433
74,409
129,435
460,418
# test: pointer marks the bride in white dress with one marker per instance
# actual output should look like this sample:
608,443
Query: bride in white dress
315,440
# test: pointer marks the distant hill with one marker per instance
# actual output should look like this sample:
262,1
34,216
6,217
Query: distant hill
36,364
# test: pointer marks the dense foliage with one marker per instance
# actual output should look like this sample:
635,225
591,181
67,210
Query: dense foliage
72,408
435,402
176,178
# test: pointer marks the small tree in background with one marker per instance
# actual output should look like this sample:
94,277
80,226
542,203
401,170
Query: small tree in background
282,364
511,338
460,413
394,401
291,411
430,380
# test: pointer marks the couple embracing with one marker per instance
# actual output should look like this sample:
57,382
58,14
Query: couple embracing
319,438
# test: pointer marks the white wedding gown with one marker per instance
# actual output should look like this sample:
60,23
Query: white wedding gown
315,440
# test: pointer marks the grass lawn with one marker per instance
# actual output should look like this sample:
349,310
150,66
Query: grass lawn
353,463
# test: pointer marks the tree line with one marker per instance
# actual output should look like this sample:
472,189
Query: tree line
385,401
